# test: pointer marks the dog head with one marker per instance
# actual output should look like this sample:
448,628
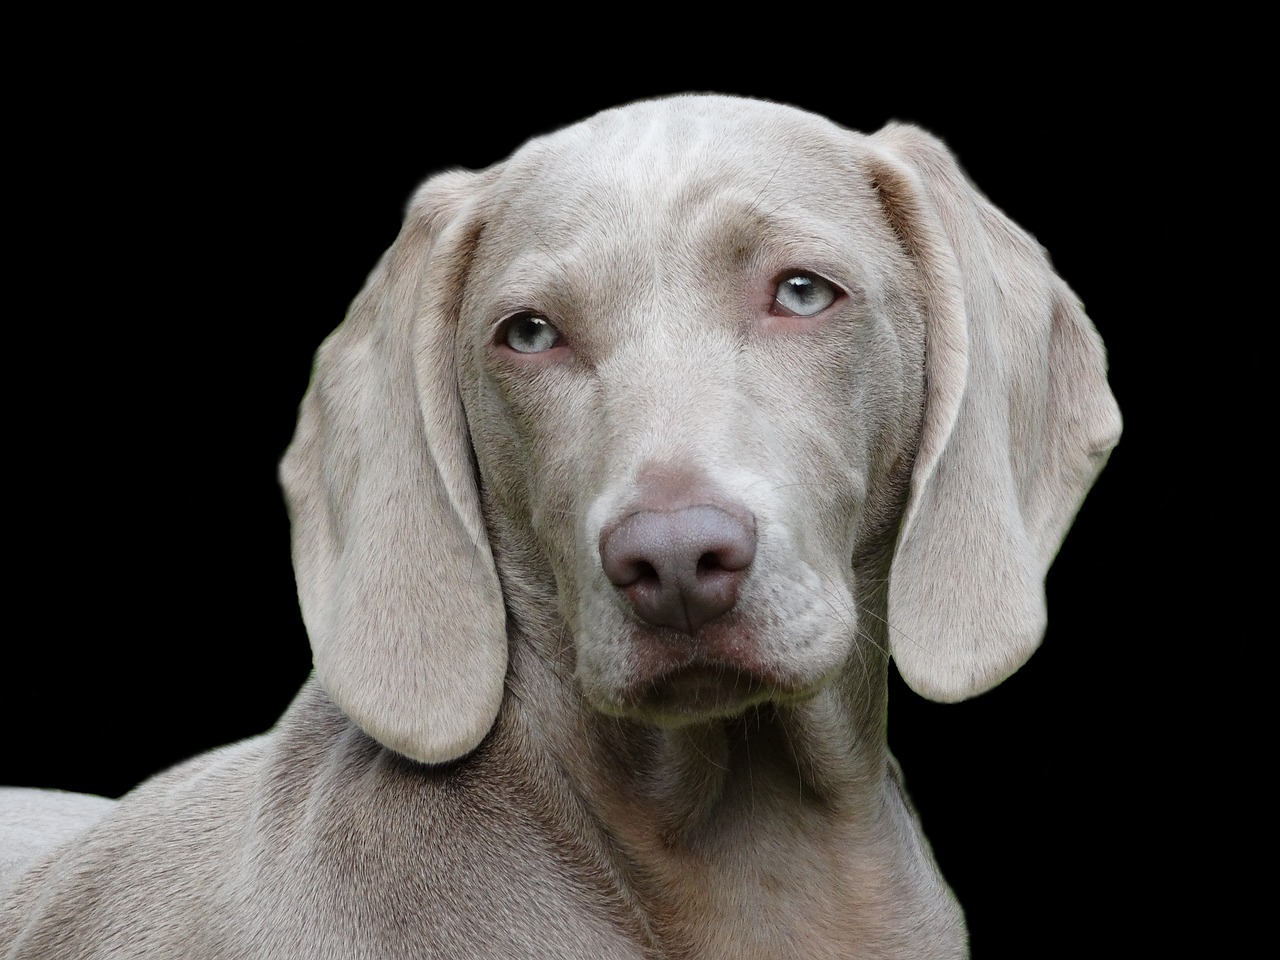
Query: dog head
689,381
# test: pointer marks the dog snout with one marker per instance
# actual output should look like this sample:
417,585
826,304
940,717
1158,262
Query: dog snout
679,568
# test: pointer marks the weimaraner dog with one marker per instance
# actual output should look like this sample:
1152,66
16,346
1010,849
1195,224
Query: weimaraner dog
638,456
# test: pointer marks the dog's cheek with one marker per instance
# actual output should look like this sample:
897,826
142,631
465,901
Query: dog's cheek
891,363
810,437
605,656
529,434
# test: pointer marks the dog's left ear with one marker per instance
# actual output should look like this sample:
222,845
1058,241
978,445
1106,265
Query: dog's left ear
1018,422
396,580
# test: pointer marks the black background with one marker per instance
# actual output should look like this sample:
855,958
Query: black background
189,242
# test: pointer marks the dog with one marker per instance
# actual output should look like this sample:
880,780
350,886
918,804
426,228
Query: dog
636,459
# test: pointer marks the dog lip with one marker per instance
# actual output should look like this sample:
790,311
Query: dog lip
702,690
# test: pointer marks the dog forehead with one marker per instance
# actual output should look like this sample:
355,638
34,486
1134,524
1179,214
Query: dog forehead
709,126
686,183
646,160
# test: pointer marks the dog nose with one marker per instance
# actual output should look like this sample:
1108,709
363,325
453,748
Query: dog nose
679,568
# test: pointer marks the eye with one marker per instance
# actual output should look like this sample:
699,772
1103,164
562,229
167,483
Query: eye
529,333
803,295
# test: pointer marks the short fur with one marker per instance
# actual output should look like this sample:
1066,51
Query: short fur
507,752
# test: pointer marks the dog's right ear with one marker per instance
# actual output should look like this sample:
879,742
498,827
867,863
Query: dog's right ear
395,576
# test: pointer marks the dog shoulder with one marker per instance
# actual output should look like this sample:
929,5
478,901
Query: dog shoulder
312,838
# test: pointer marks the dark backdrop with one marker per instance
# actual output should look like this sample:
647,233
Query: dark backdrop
189,250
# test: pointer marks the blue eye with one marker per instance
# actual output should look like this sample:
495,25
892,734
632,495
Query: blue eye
804,295
529,333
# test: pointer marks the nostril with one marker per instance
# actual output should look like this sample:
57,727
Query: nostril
707,563
644,571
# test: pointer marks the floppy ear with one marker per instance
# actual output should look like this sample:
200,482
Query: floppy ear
1018,421
395,576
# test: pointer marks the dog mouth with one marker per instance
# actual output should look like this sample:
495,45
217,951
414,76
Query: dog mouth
698,692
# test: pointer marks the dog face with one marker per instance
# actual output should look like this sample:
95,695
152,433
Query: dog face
692,369
690,386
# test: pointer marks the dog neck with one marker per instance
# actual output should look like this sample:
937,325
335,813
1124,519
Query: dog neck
729,833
